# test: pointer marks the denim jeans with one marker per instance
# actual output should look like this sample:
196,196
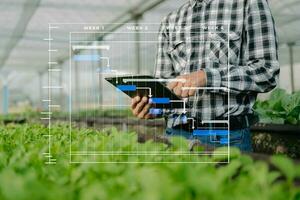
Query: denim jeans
238,138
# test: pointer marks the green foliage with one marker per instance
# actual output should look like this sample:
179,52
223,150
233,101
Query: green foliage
280,108
286,166
30,115
24,175
94,113
17,116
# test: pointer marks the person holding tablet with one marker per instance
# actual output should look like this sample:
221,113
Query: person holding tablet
238,51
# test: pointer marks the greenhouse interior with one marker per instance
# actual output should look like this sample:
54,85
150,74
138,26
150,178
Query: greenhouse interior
115,100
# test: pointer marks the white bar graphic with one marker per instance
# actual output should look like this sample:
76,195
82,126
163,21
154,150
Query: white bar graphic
215,122
52,87
45,118
154,80
46,113
108,72
54,106
54,70
205,88
103,47
52,63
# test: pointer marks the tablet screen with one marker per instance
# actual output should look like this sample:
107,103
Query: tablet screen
149,86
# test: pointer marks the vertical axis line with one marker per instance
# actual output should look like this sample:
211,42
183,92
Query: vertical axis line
70,96
49,96
228,94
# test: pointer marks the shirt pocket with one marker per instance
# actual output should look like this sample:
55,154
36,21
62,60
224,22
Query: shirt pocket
178,55
220,51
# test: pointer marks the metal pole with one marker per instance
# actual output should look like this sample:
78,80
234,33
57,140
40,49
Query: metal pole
28,10
100,83
77,95
5,101
137,47
291,52
61,92
127,17
40,85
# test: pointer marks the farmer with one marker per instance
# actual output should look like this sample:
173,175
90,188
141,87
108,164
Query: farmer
216,45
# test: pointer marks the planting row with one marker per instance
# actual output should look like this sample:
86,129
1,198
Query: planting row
24,174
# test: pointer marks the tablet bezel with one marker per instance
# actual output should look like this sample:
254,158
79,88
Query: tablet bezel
158,89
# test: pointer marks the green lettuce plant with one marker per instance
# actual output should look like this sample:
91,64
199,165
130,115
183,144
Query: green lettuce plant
280,108
24,174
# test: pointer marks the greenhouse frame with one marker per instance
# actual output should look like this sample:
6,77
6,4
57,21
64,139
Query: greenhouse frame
68,131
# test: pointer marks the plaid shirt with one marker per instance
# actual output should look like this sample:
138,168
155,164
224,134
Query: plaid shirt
233,41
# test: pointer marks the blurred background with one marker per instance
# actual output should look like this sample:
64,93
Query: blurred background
24,51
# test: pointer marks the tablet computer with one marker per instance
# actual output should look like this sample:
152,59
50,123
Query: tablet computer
149,86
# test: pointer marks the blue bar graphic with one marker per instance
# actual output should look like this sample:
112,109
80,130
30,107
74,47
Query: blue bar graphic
160,100
210,132
126,88
104,70
224,141
92,57
155,111
184,119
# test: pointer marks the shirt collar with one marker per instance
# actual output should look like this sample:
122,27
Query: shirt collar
194,2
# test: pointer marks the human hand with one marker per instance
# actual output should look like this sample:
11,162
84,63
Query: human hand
192,81
140,107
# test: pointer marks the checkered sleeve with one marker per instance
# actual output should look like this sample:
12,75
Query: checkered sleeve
164,66
262,69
